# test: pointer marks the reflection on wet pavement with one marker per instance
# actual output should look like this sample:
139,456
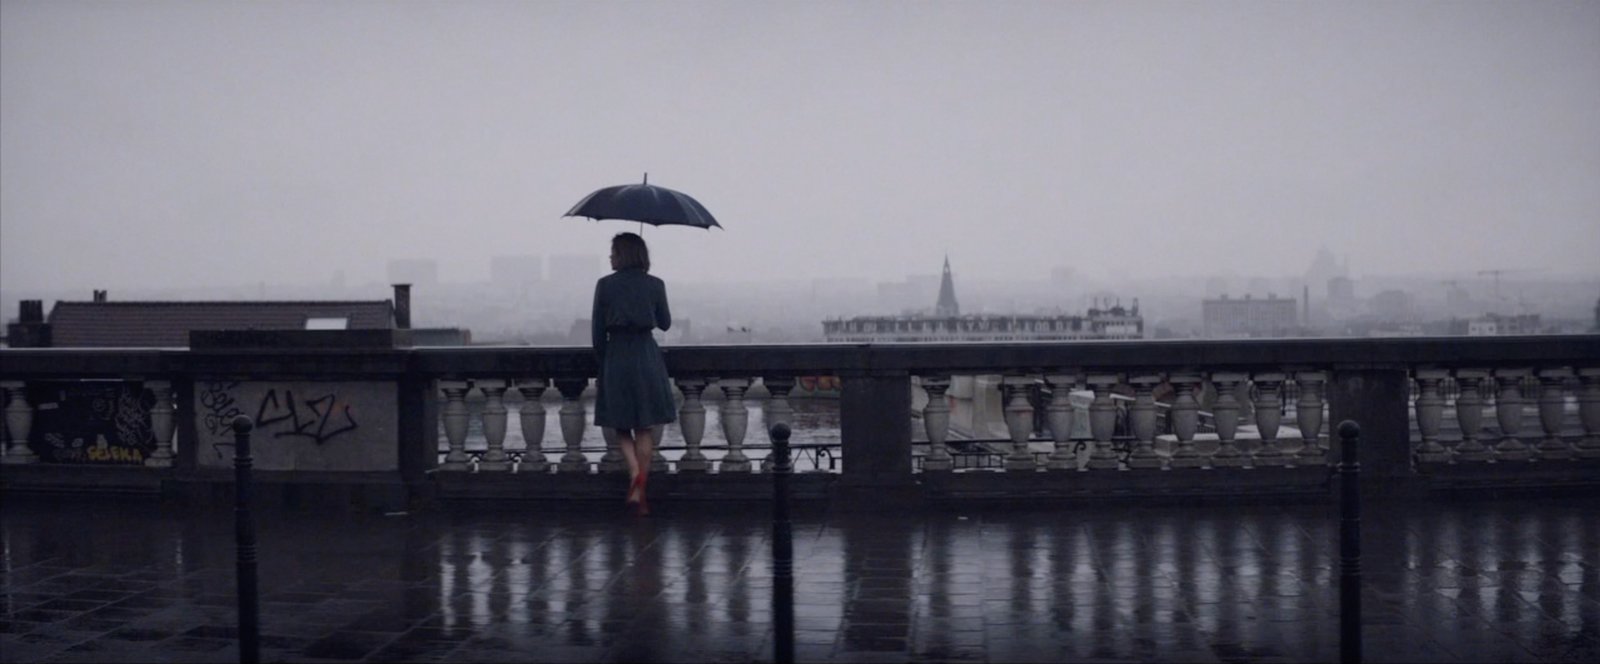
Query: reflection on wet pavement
1446,581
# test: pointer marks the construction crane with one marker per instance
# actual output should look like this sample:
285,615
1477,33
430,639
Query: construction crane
1497,274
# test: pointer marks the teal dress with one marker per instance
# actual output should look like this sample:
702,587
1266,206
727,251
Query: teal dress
633,391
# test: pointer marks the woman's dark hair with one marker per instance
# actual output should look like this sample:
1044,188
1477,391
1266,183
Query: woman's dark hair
630,251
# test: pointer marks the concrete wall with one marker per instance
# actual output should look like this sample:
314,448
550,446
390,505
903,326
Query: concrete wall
300,425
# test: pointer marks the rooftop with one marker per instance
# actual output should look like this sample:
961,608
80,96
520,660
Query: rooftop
136,324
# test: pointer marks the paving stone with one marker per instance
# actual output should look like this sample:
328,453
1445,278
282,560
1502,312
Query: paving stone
1116,583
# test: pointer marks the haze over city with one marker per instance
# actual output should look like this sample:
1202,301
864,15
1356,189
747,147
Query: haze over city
168,144
1024,331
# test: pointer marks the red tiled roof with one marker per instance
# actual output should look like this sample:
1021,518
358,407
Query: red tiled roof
167,324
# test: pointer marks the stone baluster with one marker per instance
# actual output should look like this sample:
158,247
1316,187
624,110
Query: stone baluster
1143,416
1552,410
1103,422
611,461
1430,412
532,418
1185,421
735,418
1059,414
778,409
455,422
692,424
1469,415
1308,416
19,422
1019,422
573,422
936,420
1226,414
1589,413
1508,413
494,424
1269,418
161,424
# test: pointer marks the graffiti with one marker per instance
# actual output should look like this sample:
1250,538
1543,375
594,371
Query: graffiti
133,420
280,412
91,423
218,406
324,410
103,452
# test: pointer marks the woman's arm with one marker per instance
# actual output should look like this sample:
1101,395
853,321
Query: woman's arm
663,314
597,325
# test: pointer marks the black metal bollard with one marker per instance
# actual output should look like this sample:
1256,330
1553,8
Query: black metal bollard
1349,543
782,549
245,538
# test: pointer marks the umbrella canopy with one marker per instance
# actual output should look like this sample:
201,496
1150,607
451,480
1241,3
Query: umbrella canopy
644,203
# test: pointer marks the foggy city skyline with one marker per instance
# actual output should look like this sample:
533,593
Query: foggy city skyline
1033,330
150,145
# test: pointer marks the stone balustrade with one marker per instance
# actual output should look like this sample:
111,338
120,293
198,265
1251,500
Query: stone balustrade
1183,447
567,455
1158,413
1567,409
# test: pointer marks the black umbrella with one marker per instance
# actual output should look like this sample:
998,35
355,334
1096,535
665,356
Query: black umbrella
646,204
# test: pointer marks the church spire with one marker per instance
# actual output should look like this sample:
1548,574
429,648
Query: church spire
947,307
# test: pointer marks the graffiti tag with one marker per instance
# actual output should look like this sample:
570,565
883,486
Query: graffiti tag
324,411
220,407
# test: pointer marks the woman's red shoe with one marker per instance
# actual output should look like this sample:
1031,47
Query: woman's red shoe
636,489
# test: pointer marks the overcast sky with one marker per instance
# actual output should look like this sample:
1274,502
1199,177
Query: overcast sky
178,143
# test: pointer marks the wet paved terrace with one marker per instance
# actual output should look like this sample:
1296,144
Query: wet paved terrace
1481,580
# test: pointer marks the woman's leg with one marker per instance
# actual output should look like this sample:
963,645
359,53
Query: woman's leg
644,447
625,442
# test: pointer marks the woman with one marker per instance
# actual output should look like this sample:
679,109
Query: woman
633,393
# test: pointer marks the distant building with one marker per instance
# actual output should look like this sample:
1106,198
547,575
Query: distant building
1341,304
1490,325
946,324
1341,290
416,271
1395,306
947,307
1324,268
1226,317
1113,323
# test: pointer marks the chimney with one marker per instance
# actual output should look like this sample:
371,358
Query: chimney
100,297
402,306
1305,305
30,330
